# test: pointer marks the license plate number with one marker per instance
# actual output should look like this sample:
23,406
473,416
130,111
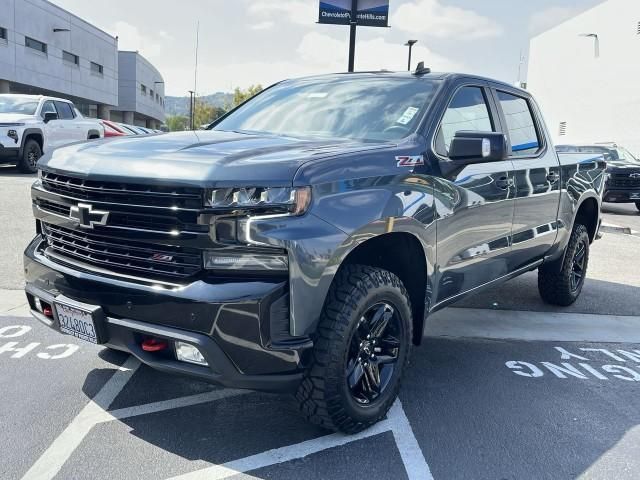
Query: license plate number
77,322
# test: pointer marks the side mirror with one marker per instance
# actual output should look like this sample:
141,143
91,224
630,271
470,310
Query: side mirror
50,116
478,147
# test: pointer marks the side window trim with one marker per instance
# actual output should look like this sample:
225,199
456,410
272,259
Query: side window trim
494,112
535,115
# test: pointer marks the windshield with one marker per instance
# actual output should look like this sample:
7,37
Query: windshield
372,108
24,105
625,155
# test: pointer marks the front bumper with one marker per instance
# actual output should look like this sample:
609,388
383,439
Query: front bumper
8,153
621,195
232,322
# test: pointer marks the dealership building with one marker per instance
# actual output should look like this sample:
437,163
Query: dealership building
584,73
46,50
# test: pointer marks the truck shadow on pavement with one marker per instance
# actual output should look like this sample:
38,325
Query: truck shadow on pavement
472,417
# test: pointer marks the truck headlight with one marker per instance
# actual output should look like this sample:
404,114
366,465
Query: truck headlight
245,261
281,199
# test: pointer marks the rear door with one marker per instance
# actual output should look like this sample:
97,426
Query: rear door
475,203
537,177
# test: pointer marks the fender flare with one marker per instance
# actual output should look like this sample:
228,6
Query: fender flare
26,133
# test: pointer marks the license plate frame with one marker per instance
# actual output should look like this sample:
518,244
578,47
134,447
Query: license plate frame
80,321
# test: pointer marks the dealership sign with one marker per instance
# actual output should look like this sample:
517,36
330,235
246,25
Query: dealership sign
371,13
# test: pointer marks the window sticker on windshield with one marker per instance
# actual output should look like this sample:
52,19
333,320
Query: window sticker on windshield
318,95
408,115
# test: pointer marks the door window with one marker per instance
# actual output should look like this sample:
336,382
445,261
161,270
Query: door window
64,110
468,111
520,124
48,107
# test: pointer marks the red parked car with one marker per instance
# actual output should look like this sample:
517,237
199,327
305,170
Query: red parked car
113,130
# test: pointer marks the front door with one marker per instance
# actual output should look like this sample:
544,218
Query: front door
474,203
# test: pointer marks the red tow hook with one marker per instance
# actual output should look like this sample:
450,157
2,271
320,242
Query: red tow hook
47,312
154,345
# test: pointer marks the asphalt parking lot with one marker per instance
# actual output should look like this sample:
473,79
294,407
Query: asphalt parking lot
503,388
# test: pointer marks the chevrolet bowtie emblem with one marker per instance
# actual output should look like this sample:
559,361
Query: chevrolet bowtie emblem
87,217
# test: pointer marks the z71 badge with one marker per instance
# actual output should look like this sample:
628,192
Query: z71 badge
410,161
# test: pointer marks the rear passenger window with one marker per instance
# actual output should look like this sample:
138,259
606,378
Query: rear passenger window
64,110
520,124
468,111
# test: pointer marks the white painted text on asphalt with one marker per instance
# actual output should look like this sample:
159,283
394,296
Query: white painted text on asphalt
17,349
588,364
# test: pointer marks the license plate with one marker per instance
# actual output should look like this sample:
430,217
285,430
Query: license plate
77,322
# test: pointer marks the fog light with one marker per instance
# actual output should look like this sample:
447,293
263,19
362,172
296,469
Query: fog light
190,354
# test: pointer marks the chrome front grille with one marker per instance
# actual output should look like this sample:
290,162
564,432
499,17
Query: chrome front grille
149,261
149,232
120,193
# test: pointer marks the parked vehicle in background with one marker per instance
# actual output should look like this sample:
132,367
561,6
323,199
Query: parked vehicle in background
111,129
31,125
623,171
302,241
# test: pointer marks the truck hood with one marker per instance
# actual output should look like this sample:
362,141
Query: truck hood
15,118
203,158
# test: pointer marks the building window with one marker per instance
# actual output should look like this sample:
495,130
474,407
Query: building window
35,44
157,98
563,129
638,31
143,89
71,58
3,33
151,94
97,68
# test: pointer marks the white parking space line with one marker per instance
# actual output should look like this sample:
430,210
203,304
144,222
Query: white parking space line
50,463
396,422
181,402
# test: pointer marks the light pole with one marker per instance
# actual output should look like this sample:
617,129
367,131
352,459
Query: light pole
352,34
596,42
410,44
191,92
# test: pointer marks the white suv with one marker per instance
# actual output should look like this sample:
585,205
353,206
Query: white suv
33,124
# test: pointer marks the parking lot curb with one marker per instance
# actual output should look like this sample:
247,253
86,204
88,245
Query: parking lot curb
533,326
611,228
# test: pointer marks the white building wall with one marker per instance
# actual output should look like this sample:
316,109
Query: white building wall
598,96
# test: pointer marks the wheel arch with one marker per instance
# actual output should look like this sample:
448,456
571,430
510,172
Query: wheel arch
93,134
35,134
403,254
588,214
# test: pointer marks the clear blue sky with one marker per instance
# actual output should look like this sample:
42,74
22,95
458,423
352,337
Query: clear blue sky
260,41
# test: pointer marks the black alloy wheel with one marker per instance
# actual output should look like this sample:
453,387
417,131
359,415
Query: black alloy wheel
373,353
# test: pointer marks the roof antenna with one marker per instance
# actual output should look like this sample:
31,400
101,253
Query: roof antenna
421,69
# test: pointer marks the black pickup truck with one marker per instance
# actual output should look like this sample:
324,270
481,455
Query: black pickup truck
623,171
300,244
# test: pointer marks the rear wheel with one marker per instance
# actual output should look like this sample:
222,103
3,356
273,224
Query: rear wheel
361,350
563,287
31,153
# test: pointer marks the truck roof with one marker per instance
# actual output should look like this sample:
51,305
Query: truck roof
35,97
430,75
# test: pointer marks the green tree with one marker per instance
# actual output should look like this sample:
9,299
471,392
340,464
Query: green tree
205,113
241,96
177,123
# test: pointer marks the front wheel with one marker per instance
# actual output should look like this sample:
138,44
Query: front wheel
31,153
361,350
563,287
